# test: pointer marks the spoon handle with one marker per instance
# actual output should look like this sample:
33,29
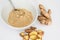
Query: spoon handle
12,4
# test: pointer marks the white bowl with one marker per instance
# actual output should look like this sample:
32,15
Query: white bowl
18,4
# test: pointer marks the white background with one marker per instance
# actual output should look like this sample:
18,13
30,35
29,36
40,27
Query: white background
52,32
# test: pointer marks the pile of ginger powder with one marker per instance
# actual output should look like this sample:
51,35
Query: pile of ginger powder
20,18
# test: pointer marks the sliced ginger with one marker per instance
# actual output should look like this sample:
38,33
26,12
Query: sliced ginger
45,17
32,35
22,34
26,37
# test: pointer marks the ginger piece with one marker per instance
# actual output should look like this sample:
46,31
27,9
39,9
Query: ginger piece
33,37
28,30
41,7
45,17
41,18
40,32
22,34
45,14
32,28
33,33
39,36
26,37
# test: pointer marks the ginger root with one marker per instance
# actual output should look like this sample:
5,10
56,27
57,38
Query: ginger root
45,17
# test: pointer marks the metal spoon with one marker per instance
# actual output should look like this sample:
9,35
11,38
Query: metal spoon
13,5
15,8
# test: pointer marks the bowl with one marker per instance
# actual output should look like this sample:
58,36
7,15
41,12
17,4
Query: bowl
19,4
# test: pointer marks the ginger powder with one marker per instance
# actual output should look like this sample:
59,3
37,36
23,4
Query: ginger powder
20,18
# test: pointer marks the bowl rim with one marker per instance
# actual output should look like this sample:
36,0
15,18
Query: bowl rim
10,26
